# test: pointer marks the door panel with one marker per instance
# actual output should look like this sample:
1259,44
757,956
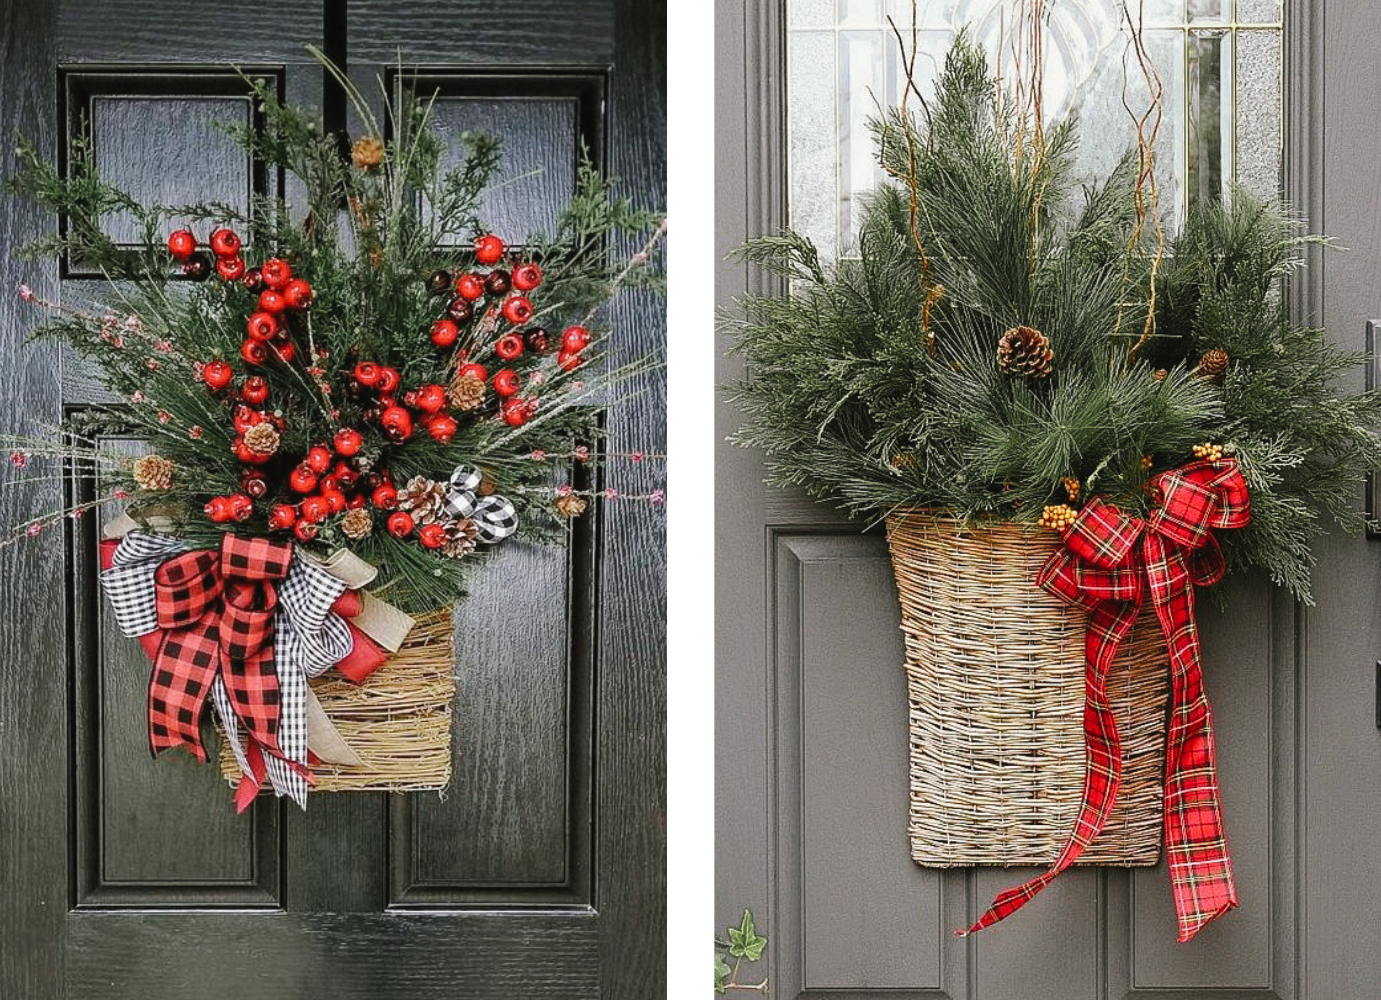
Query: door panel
811,761
532,872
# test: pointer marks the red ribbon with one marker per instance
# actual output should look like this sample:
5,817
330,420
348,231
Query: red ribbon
1110,563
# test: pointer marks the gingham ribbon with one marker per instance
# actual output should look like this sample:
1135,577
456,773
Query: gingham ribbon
231,631
1110,563
494,517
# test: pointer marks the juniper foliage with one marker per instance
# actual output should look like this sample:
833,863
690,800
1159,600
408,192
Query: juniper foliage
875,382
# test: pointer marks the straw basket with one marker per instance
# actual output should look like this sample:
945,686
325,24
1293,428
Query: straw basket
995,678
398,721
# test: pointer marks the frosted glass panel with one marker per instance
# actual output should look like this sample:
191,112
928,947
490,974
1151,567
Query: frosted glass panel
1219,62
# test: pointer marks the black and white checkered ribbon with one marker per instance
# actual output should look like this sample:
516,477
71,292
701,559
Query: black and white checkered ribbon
308,639
494,517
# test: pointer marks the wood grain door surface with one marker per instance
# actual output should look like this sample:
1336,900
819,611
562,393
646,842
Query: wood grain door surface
540,872
811,706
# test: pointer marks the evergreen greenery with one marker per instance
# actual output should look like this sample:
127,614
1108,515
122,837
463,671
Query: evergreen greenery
367,237
875,382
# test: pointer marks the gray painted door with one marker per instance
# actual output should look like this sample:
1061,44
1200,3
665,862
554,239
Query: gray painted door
811,770
541,872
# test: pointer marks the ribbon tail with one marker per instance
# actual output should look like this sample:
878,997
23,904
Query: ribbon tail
1201,878
1109,623
252,779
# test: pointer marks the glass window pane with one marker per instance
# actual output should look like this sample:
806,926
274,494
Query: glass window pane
1221,98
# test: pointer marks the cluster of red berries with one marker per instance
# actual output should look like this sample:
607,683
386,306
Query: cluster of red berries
394,413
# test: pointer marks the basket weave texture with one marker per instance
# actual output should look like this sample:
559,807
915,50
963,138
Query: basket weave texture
398,721
995,678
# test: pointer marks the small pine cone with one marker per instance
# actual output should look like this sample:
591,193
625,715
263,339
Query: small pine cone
422,498
1071,486
357,523
1025,353
466,392
1160,374
1212,452
462,536
570,505
904,460
153,472
1214,365
1057,517
367,153
262,439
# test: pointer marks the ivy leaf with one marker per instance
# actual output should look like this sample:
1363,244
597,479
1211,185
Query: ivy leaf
721,972
745,941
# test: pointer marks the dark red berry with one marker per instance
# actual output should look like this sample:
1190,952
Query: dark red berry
497,281
459,310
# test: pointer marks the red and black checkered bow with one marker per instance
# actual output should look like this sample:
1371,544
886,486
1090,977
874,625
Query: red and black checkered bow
216,612
1102,568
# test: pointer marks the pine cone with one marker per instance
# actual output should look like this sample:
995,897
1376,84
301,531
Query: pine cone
570,505
357,523
1025,353
422,498
1214,365
461,538
367,153
466,392
262,439
153,472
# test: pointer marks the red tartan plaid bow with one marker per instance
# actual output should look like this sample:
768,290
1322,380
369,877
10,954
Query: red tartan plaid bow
1103,569
215,610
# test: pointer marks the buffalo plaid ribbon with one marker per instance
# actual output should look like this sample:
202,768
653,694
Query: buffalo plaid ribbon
1109,565
216,611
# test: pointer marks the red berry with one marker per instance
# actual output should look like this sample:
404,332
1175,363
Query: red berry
444,333
277,272
489,249
217,374
574,339
507,382
526,277
219,509
318,459
302,479
255,352
400,524
272,301
478,371
469,286
397,423
315,508
230,268
182,244
335,500
247,455
261,325
432,536
305,531
367,373
515,411
225,243
430,399
442,428
342,473
282,517
298,294
241,507
517,309
245,417
569,362
255,390
348,442
357,501
509,346
384,496
389,380
327,483
254,280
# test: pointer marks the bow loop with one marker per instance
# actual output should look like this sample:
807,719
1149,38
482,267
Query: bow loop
187,588
1102,534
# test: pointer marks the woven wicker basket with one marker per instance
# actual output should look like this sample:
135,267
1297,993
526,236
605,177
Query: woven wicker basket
995,677
398,721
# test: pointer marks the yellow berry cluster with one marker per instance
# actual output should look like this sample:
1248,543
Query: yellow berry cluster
1146,463
1212,452
1058,517
1071,486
